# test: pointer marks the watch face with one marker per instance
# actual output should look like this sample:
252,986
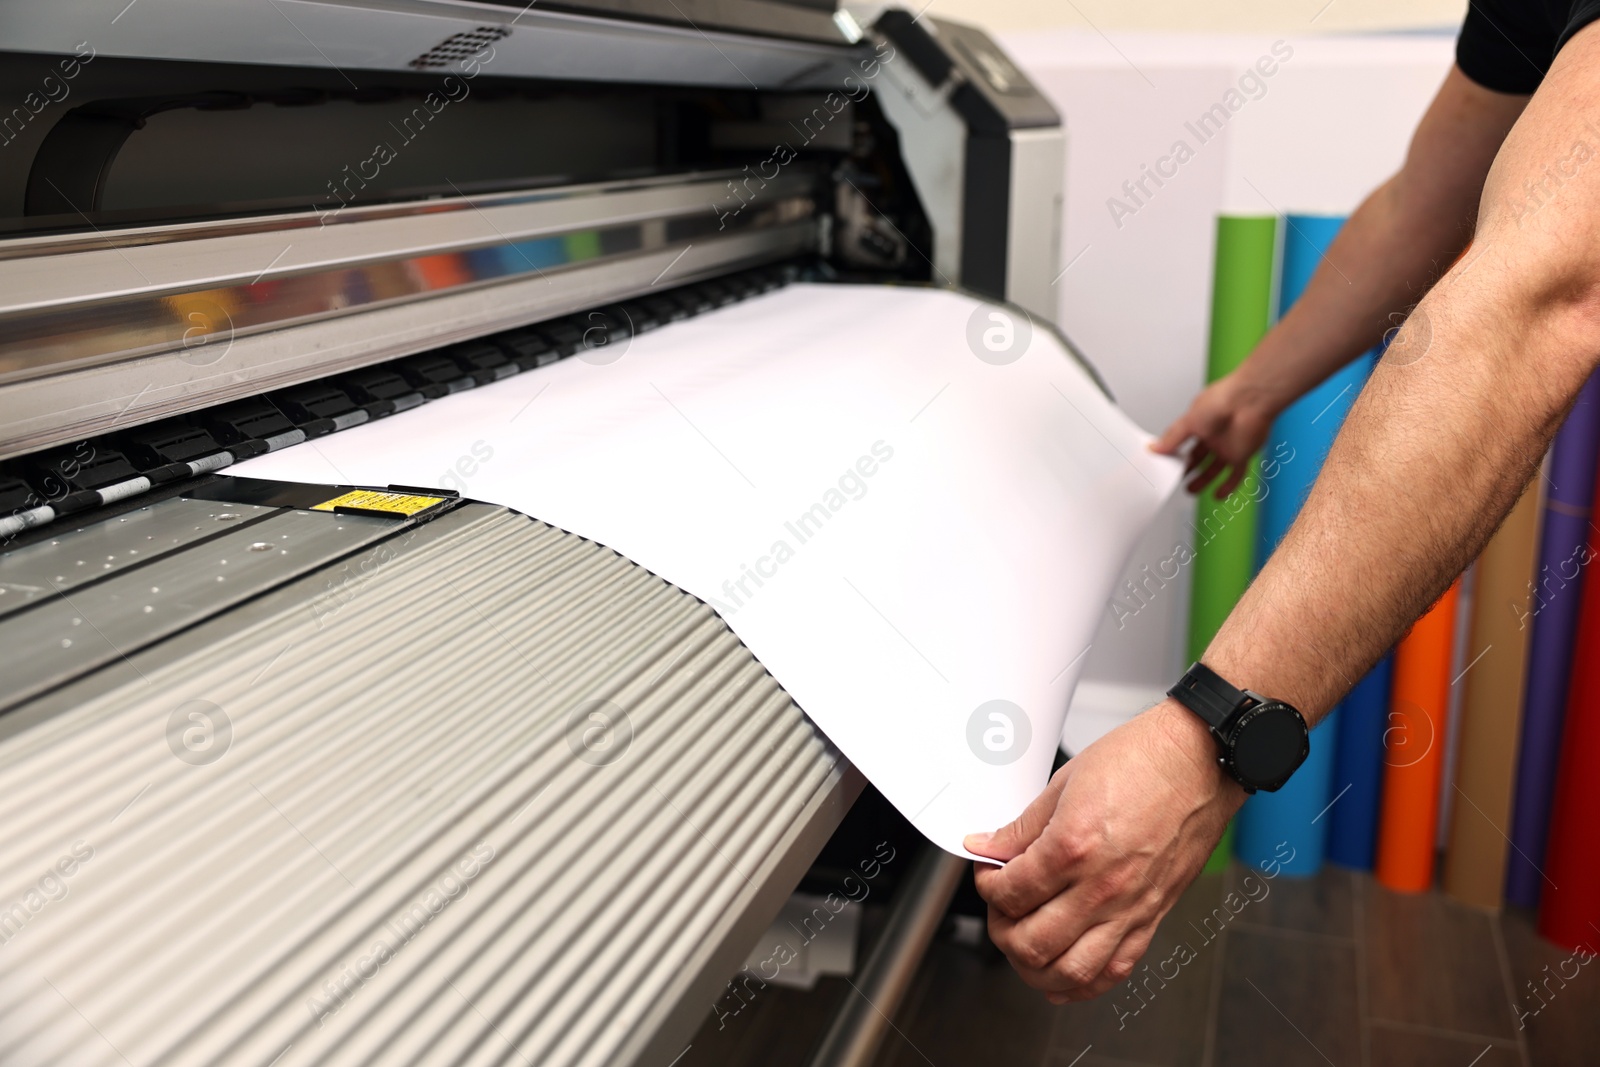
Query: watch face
1268,744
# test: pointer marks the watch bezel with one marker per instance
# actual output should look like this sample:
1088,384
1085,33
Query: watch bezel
1241,721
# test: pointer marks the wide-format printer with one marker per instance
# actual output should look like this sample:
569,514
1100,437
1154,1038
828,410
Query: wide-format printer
280,759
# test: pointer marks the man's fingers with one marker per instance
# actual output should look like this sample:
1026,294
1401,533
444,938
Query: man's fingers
1127,956
1081,936
1207,473
1226,489
1174,437
1078,972
1053,862
1120,961
1035,942
1012,839
1077,968
1098,988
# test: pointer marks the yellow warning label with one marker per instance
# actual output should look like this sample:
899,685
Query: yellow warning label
377,500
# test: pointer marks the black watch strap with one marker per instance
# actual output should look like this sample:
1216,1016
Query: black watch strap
1204,692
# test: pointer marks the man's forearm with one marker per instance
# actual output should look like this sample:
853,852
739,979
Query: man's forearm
1430,459
1452,424
1401,238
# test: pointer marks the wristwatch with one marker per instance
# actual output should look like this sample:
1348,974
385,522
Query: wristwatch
1260,742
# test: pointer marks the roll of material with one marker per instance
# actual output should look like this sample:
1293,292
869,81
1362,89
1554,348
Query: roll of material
1414,748
1357,781
1302,435
1557,594
1241,311
1491,709
1569,909
1293,456
1306,239
1225,531
1296,447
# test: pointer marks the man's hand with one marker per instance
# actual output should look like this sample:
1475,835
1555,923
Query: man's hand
1228,421
1103,853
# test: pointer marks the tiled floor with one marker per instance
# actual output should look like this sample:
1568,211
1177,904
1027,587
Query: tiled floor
1331,970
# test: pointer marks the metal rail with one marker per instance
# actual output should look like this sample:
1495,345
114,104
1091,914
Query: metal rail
862,1021
108,331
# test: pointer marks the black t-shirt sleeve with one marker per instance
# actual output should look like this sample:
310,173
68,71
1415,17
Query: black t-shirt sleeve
1583,13
1508,45
1505,45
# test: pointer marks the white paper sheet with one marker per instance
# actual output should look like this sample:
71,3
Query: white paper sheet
915,541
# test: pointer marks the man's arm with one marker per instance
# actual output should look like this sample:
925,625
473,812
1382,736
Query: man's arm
1441,442
1395,244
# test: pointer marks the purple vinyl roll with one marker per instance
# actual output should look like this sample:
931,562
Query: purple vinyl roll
1552,611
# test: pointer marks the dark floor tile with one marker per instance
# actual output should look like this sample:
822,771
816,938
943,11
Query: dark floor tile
1160,1017
1398,1047
1287,1000
1555,997
1322,904
1089,1059
968,1007
1432,962
775,1028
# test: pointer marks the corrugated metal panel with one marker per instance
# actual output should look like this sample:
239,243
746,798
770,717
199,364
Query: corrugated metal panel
394,834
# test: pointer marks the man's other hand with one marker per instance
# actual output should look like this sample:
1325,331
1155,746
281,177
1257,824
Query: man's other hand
1102,854
1228,423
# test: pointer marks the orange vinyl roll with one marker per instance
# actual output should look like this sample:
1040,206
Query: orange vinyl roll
1414,746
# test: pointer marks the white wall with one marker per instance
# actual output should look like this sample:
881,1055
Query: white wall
1232,16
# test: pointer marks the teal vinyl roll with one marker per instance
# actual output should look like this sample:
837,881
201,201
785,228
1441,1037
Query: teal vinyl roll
1294,452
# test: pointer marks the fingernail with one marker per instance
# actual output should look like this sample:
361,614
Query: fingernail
973,842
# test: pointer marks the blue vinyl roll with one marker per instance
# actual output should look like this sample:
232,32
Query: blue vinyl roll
1289,827
1293,455
1358,770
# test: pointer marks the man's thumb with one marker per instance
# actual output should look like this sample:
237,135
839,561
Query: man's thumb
1013,839
1174,436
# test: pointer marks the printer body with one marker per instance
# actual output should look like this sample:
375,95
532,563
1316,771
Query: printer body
288,768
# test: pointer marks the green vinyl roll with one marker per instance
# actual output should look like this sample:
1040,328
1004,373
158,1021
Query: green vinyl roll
1225,531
